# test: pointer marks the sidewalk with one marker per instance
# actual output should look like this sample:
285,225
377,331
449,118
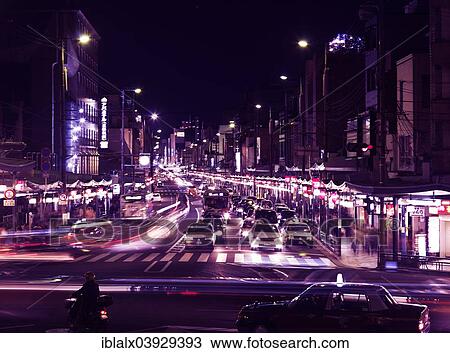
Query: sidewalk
358,259
357,254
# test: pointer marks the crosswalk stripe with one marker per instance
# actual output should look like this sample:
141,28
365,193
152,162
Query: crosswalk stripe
203,257
150,257
168,257
186,257
239,258
256,258
81,257
327,262
311,262
98,257
116,257
292,260
221,257
276,258
132,257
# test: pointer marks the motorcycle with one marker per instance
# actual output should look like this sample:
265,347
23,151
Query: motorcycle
94,322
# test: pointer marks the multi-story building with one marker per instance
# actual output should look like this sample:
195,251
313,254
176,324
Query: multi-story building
50,100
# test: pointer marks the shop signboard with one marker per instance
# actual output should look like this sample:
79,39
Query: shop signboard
416,211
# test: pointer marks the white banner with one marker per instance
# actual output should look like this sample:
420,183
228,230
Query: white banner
221,342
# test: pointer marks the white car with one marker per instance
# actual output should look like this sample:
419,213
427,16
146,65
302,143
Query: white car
295,232
200,235
265,236
156,197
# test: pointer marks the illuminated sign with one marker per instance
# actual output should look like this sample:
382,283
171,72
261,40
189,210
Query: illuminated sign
180,134
104,124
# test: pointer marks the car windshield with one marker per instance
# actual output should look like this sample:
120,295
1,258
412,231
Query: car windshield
198,230
297,228
266,228
288,214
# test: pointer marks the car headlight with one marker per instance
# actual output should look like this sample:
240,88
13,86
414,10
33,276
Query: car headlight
245,233
279,246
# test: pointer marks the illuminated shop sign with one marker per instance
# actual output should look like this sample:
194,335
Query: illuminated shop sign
104,124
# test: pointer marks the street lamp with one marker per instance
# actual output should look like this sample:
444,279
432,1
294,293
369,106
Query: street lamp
302,43
283,77
84,38
137,90
154,116
258,106
159,131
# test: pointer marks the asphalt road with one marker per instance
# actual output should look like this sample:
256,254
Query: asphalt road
158,285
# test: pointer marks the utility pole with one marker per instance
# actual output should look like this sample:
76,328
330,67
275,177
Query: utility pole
270,143
381,117
122,131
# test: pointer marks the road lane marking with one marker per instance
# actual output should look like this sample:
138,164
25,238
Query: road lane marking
150,266
116,257
186,257
168,257
292,260
256,258
99,257
132,257
221,257
203,257
81,258
311,262
327,262
150,257
239,258
275,258
166,266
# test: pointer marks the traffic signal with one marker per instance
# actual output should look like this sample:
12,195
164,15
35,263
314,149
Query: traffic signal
45,160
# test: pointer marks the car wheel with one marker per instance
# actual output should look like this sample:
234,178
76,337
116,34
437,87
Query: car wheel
260,329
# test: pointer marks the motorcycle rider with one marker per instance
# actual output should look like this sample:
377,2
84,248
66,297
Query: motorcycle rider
85,307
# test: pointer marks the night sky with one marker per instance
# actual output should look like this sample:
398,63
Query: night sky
200,57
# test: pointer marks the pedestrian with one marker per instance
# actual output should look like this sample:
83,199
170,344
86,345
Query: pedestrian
354,247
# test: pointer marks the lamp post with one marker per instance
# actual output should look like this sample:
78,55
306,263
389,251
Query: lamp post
153,117
82,40
122,137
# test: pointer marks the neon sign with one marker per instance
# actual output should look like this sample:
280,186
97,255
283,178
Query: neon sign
104,124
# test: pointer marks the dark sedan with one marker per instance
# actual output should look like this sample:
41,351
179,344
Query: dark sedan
334,307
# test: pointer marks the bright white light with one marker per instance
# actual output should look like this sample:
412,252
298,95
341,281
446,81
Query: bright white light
283,77
144,160
339,280
77,128
154,116
258,106
74,138
204,140
159,131
303,43
84,38
218,134
82,120
137,90
81,110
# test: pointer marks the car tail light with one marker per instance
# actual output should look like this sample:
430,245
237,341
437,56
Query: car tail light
103,314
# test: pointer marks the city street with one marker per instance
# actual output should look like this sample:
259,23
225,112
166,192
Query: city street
225,166
206,288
